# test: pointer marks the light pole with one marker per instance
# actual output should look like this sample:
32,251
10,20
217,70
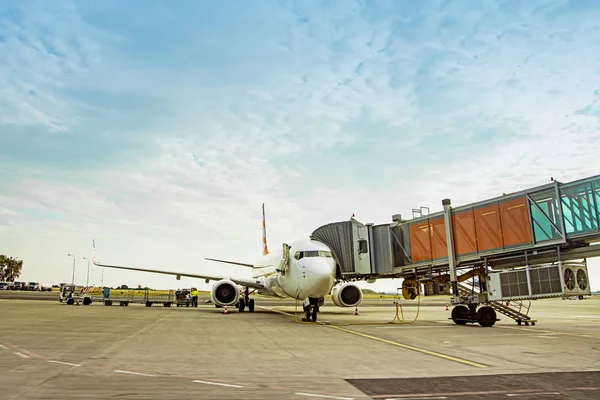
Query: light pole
87,280
73,277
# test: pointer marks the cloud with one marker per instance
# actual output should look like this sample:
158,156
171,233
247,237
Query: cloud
44,47
163,144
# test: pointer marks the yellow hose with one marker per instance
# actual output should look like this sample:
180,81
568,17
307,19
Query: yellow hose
397,320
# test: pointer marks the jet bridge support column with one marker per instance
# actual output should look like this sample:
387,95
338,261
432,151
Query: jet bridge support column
450,245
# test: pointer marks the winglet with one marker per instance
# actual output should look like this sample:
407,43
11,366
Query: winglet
264,232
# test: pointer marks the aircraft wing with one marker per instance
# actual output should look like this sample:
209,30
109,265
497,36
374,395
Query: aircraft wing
231,262
238,281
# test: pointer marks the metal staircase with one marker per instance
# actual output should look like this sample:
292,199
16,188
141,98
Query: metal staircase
514,309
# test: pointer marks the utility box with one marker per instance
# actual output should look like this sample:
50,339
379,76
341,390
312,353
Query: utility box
436,288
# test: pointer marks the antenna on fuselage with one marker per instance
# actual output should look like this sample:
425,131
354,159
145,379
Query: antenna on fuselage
264,232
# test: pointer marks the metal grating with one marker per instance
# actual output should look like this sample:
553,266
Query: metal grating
545,280
514,284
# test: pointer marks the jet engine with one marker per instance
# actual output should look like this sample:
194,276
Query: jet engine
225,293
346,295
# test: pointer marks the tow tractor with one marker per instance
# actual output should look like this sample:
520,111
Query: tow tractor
72,294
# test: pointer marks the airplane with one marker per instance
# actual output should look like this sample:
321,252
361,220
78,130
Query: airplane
304,270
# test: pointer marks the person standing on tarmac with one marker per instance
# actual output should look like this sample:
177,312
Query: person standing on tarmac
194,297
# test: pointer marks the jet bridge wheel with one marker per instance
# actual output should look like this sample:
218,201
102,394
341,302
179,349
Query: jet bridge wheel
486,316
460,314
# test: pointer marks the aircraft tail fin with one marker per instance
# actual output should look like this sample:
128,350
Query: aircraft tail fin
264,232
94,252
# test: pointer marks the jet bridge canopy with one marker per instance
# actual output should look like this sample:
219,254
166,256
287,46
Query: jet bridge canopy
359,249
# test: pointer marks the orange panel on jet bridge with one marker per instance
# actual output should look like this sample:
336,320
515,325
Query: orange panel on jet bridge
420,242
463,227
516,228
488,227
439,249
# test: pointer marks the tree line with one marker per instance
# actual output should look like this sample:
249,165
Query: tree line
10,268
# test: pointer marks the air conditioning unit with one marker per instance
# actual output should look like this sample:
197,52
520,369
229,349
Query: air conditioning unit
576,280
567,280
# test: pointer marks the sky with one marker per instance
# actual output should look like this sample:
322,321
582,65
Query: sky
159,128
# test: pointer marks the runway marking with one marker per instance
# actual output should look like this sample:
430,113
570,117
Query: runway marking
120,371
323,396
418,398
406,346
218,384
3,347
64,363
415,327
547,337
531,394
21,355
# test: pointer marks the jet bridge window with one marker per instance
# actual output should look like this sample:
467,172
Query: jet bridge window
312,253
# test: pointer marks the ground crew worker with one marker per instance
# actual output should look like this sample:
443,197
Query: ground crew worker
194,297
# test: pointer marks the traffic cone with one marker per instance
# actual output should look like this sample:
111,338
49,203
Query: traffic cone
225,310
446,307
356,310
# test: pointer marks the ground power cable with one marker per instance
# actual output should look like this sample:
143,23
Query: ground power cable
398,319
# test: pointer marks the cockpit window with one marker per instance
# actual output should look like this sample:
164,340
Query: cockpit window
312,253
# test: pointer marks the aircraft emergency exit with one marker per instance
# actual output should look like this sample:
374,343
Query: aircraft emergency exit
303,270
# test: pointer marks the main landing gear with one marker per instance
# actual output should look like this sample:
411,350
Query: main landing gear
246,301
463,314
311,309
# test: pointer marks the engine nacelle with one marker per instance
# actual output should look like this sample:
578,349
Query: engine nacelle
225,293
346,295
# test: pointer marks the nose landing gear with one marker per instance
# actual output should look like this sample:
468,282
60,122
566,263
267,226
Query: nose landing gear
311,309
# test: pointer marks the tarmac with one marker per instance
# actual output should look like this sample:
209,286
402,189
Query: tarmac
53,350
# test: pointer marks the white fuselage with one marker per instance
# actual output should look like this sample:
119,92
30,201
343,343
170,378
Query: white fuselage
310,271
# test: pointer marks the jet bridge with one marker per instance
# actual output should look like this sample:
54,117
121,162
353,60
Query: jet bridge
533,231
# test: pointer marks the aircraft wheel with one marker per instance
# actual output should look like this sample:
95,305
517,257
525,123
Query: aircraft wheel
251,305
458,313
314,314
241,305
306,314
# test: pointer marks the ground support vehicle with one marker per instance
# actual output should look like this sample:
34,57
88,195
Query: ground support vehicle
72,294
183,297
147,297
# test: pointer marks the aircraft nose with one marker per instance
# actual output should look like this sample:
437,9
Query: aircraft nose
320,273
